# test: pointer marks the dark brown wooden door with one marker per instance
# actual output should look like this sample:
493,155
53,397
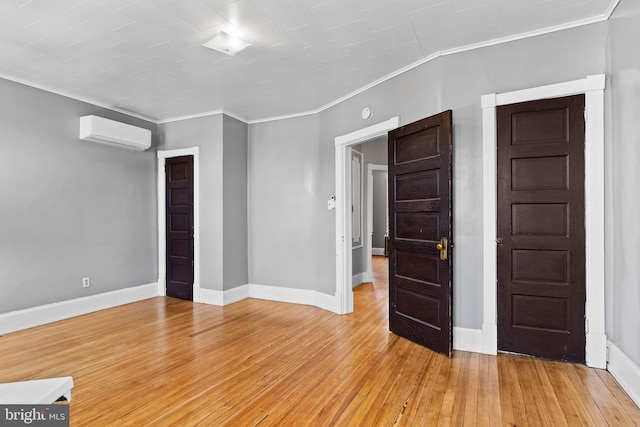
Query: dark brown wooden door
541,234
179,186
420,275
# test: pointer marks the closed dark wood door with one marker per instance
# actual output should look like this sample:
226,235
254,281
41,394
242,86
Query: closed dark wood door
420,207
179,200
541,232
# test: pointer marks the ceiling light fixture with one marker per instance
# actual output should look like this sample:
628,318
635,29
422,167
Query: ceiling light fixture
226,43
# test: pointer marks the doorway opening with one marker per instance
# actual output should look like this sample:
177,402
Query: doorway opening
162,155
377,215
344,245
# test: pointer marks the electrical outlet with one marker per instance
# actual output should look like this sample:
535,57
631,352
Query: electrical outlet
86,282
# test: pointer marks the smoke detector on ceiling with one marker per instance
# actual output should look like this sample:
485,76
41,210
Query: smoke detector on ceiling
226,43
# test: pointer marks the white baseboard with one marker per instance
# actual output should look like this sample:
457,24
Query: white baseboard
327,302
270,293
377,251
466,339
596,351
489,338
357,280
367,276
40,315
221,298
625,371
276,293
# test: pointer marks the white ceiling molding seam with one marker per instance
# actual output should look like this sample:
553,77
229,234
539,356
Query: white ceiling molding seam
604,17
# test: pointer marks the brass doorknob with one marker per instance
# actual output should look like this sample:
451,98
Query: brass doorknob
442,247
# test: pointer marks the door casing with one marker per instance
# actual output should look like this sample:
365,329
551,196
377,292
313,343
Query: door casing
593,88
162,238
344,291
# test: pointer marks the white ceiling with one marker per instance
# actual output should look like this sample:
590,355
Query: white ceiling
145,56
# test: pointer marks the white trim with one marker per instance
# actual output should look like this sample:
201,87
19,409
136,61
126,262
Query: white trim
162,220
222,298
43,314
286,116
593,88
358,279
370,132
625,371
344,291
290,295
369,250
465,339
199,115
270,293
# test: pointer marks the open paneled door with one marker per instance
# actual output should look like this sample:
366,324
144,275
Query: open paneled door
420,215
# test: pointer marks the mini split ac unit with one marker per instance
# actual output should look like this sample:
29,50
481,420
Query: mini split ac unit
110,132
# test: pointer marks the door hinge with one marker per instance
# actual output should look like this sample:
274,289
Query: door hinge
586,325
586,114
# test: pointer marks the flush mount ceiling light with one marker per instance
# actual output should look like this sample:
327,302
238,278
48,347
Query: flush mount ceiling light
226,43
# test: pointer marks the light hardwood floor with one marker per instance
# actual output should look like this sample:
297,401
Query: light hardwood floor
166,362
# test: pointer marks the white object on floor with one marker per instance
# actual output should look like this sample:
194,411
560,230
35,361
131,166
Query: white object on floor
36,392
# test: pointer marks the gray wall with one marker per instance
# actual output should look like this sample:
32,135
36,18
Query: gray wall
291,231
622,179
205,133
452,82
234,166
69,208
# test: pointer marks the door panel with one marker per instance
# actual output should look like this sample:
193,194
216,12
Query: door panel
179,232
541,256
420,173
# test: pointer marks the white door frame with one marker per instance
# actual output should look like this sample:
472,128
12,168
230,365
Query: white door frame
593,88
162,220
368,253
343,143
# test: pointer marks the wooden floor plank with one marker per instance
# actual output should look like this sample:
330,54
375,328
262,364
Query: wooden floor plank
471,390
618,394
454,396
547,398
168,362
576,411
415,414
593,389
517,407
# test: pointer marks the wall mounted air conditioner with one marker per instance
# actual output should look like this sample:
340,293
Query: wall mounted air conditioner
110,132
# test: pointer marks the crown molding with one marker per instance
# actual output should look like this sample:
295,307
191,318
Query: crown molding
77,98
205,114
501,40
